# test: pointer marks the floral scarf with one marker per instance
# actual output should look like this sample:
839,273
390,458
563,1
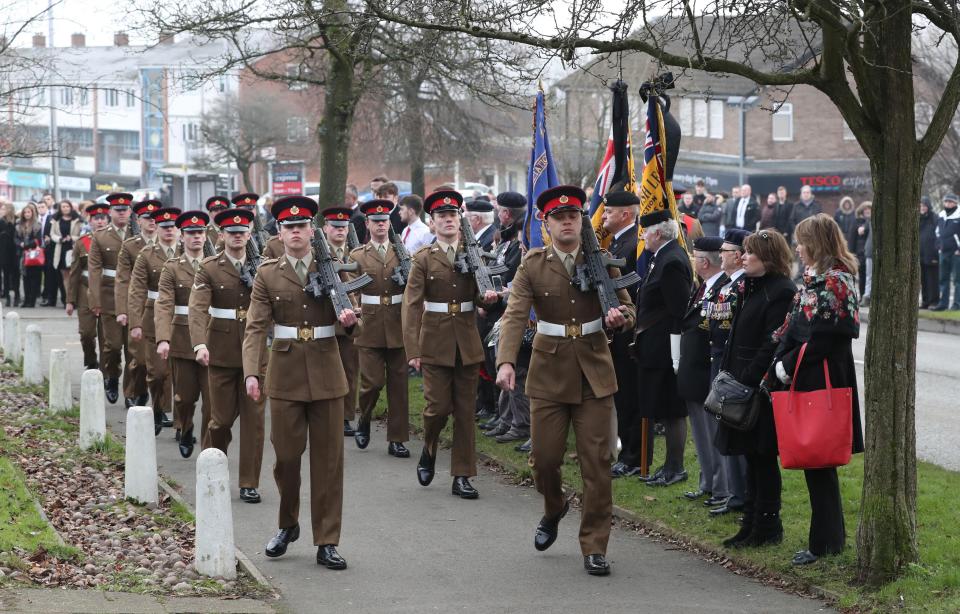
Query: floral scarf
828,302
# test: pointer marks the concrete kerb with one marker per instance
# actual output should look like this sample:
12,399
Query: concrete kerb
245,563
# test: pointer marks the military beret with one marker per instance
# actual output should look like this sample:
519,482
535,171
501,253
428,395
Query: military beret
561,198
443,200
167,216
512,200
480,204
679,189
707,244
655,217
621,198
735,236
193,220
293,209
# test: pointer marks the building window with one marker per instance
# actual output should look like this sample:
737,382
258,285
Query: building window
131,99
42,95
294,74
111,98
222,84
130,142
297,129
66,96
686,116
783,123
847,132
84,97
715,119
78,138
191,132
700,117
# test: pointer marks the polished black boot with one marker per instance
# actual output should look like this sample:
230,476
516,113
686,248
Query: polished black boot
348,429
186,443
463,488
329,558
397,449
425,468
548,528
157,422
362,435
166,421
767,530
277,546
112,389
596,565
746,528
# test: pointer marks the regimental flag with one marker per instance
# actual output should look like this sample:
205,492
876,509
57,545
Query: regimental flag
655,191
617,168
541,175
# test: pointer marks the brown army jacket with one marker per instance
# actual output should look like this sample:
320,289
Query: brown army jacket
104,252
129,250
218,285
144,280
381,322
77,277
176,282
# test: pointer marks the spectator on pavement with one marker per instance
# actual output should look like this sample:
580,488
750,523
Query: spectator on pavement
783,214
948,235
846,218
804,208
858,246
730,210
416,234
929,257
64,231
687,205
867,212
9,265
710,215
29,237
768,213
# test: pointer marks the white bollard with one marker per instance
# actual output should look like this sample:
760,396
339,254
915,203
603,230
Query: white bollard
11,337
59,396
32,363
215,554
93,420
140,459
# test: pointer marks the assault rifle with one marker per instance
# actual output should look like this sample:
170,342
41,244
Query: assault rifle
593,275
259,236
326,282
471,260
401,272
133,225
208,248
353,242
249,269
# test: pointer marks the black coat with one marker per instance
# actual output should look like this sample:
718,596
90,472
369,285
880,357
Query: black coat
847,221
749,353
948,230
624,247
359,221
8,241
801,211
661,303
859,243
781,219
751,216
694,369
485,239
929,254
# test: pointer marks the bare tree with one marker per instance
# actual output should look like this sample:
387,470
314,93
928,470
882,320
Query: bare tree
859,55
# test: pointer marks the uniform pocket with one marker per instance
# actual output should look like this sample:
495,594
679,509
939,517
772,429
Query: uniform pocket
543,343
281,345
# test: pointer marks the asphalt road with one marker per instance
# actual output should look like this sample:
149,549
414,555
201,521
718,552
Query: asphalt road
412,549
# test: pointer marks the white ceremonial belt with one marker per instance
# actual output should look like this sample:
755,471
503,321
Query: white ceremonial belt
109,272
376,299
448,307
152,295
303,333
569,330
181,310
86,273
227,314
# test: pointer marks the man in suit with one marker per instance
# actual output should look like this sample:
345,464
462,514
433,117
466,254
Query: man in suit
304,381
380,343
480,215
441,339
694,369
571,378
661,302
47,208
730,210
620,220
747,210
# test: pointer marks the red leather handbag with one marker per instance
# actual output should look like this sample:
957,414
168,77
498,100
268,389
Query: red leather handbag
34,257
815,428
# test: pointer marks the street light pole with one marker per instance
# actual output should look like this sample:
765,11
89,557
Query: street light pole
54,149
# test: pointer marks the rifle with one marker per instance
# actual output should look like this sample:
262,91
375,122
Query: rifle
326,282
259,236
593,275
208,248
249,270
353,242
401,272
133,225
471,260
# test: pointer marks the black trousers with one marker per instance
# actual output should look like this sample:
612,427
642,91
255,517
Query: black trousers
764,484
862,272
32,278
626,402
930,284
11,279
827,531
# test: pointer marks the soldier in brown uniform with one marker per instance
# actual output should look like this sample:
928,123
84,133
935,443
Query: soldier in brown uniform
144,287
248,202
305,382
135,378
218,316
380,345
571,378
440,336
91,335
273,248
102,266
335,228
171,311
214,205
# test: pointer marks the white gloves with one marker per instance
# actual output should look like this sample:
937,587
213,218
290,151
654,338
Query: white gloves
782,374
675,351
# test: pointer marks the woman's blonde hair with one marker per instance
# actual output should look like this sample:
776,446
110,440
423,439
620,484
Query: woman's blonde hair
772,250
8,211
34,220
824,243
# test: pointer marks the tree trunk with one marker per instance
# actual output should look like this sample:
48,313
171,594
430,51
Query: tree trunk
245,176
415,146
886,537
334,131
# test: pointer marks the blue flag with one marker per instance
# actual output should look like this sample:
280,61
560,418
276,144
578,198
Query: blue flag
541,175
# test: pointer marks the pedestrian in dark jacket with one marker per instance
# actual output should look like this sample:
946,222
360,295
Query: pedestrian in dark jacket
948,235
846,219
783,214
805,207
29,236
861,237
9,258
710,217
768,212
767,293
929,257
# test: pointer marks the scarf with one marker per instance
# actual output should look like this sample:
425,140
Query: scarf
827,303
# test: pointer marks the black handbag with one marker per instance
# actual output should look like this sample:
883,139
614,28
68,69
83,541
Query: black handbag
732,403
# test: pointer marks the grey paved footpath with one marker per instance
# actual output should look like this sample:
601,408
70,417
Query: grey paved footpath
415,549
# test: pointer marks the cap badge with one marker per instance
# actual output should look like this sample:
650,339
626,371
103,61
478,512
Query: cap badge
236,219
294,210
166,216
340,216
247,201
564,199
446,200
194,219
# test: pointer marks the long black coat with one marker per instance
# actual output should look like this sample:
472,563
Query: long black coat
625,246
929,254
749,353
694,371
661,303
829,331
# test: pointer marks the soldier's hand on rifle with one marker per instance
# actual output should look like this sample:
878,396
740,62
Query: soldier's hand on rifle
615,317
490,297
69,309
348,318
415,363
136,333
203,357
253,388
121,319
506,376
163,349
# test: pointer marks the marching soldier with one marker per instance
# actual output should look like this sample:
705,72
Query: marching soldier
380,344
440,337
571,377
135,386
273,248
144,286
102,266
336,229
218,316
248,201
171,311
305,382
214,205
91,335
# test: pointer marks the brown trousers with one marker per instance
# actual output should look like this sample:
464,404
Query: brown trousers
451,390
291,423
135,368
379,366
351,364
115,341
158,377
549,424
228,401
190,383
91,336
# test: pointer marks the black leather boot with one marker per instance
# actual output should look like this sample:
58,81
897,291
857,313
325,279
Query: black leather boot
768,529
746,528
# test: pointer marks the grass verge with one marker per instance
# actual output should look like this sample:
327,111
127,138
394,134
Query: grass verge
941,315
933,585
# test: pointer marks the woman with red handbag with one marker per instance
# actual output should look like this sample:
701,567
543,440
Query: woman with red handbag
818,418
31,253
